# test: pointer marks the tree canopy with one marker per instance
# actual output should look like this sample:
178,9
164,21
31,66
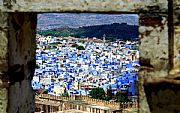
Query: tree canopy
122,97
97,93
78,47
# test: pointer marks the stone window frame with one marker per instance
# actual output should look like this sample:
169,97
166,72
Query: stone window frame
159,24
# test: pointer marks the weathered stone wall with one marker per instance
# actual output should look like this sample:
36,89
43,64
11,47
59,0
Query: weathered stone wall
176,39
80,102
154,42
85,5
153,51
3,62
87,99
22,46
159,48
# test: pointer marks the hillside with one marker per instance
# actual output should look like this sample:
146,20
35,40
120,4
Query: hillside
112,31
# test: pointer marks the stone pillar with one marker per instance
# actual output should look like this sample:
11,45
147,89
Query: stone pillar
22,50
51,108
41,107
96,110
77,107
60,108
63,107
101,111
174,33
88,109
153,32
105,111
73,106
47,108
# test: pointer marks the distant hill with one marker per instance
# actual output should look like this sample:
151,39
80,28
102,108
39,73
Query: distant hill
112,31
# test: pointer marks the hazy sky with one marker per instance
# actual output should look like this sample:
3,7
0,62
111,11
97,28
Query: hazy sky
75,20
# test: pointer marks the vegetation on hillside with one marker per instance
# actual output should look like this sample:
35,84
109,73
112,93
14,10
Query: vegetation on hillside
112,32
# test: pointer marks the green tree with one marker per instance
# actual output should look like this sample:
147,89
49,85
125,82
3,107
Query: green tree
74,45
122,97
97,93
45,92
37,66
82,36
135,47
82,41
80,48
109,95
65,94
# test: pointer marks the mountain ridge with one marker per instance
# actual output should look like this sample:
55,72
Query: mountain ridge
112,31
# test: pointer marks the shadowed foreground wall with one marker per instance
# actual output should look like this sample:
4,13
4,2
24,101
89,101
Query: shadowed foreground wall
159,33
22,46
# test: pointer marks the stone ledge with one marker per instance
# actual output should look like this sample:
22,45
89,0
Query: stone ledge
86,5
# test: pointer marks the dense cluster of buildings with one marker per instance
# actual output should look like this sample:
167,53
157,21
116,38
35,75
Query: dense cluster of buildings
63,67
